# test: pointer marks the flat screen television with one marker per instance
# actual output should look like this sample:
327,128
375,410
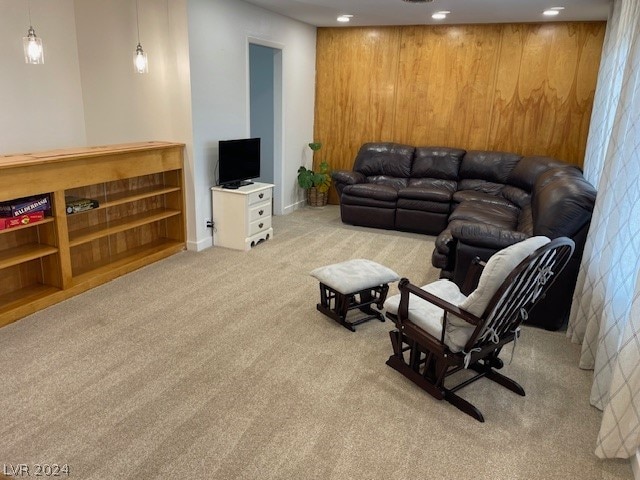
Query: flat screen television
238,162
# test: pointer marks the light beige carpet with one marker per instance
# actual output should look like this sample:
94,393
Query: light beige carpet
216,365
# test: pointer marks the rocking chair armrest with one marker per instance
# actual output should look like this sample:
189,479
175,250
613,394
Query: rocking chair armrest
406,287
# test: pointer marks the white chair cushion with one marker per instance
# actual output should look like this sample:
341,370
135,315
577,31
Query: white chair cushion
458,332
354,275
428,316
497,269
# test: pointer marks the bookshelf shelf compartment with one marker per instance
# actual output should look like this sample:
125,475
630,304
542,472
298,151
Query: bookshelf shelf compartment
24,253
104,229
132,196
29,225
140,219
126,260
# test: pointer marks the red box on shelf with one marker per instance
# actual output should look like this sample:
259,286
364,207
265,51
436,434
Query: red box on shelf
9,222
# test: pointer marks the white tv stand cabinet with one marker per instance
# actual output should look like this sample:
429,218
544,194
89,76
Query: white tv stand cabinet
242,216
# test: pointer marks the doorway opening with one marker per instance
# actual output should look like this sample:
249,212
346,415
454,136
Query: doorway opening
265,113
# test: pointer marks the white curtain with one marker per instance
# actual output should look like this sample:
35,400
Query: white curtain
605,316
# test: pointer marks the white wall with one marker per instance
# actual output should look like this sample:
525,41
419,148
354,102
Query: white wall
86,93
119,104
219,32
40,105
122,106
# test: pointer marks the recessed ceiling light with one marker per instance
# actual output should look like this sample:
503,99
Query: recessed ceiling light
552,11
345,18
441,15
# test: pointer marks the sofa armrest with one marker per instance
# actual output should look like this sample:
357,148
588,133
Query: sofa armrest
342,178
486,236
348,177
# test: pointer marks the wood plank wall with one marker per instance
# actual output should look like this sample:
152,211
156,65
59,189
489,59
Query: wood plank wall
523,88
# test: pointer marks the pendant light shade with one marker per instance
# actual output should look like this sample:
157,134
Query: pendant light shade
33,50
140,62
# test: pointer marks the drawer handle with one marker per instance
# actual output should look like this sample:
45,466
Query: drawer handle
261,225
261,195
260,212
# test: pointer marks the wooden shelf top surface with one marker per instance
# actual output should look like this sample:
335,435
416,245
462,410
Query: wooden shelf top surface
52,156
25,253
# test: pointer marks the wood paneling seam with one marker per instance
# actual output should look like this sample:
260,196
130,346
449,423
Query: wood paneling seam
495,88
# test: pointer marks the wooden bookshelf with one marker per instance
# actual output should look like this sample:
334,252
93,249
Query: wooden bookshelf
140,219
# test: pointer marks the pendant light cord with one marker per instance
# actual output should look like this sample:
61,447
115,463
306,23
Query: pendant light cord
137,22
29,10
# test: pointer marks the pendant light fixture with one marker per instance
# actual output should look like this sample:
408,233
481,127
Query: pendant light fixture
140,62
33,50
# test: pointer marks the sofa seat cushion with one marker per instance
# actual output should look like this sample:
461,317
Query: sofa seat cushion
475,196
488,213
373,191
516,196
423,205
436,191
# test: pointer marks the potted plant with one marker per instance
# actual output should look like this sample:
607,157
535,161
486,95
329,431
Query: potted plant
316,183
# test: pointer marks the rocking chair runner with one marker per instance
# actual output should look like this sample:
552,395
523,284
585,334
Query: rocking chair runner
441,331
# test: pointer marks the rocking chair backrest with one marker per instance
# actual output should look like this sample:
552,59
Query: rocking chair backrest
520,291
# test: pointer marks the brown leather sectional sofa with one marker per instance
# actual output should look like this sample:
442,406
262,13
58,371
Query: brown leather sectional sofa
476,202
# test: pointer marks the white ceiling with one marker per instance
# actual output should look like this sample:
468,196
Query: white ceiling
323,13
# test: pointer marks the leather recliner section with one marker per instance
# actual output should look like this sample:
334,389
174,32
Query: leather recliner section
476,202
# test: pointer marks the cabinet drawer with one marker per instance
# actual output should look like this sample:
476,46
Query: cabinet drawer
260,196
259,211
259,225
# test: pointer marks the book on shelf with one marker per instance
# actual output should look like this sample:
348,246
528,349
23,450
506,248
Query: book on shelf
21,206
26,219
79,204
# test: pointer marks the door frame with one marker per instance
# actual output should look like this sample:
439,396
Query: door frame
278,113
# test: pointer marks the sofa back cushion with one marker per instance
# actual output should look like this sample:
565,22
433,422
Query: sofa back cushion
526,172
437,162
478,185
493,167
384,160
562,202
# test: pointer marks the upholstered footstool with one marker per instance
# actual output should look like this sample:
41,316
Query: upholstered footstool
353,285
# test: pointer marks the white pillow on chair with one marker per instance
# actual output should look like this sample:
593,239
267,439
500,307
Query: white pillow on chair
495,272
458,332
497,269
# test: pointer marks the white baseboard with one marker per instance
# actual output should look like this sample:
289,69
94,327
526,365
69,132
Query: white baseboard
200,245
635,465
295,206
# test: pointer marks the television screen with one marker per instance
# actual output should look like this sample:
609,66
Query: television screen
238,161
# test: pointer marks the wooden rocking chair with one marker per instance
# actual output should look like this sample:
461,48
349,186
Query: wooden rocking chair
440,331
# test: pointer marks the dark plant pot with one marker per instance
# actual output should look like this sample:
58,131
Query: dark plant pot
316,198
